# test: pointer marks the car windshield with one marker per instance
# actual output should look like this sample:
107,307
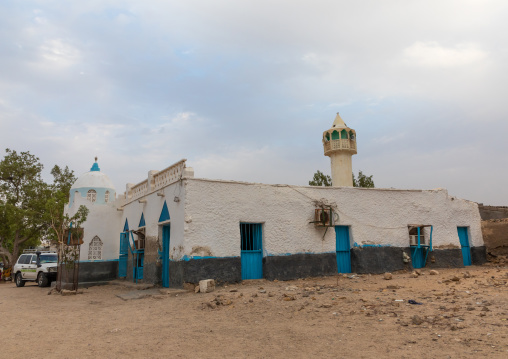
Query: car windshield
49,258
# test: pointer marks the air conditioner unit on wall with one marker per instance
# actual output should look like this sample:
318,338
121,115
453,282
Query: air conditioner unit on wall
413,240
323,217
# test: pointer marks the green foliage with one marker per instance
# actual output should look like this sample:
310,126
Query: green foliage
22,200
31,209
320,179
363,180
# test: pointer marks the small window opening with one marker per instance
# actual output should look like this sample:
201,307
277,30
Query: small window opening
106,197
95,249
91,195
252,236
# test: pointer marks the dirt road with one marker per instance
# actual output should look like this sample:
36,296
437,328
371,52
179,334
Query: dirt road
464,314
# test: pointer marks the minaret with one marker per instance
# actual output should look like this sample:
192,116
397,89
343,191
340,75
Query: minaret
339,143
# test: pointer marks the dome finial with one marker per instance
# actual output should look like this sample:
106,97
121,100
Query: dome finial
95,166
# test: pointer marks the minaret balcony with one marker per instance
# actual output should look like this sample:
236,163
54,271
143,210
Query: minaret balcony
343,144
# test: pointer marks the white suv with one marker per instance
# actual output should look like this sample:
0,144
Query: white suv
38,266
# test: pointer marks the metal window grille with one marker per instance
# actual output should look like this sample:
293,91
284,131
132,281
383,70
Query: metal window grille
95,249
251,235
91,195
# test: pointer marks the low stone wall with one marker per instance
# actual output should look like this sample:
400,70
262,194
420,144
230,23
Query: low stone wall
495,236
492,212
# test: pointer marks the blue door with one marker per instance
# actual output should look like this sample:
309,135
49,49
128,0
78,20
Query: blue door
251,235
418,257
464,243
140,258
122,258
343,249
166,230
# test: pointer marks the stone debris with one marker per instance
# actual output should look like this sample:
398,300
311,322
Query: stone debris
216,302
388,276
189,287
206,286
417,320
433,272
414,275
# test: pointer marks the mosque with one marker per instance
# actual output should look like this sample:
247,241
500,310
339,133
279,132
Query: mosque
174,228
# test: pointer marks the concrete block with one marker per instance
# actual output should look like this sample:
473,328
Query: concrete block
206,286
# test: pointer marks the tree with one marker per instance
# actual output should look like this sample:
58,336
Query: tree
54,216
363,180
22,200
31,209
320,179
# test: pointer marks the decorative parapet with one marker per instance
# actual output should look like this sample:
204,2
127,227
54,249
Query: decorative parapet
169,175
340,144
140,189
157,180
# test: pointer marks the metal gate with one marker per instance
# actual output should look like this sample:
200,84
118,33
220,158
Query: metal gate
343,249
124,252
251,235
464,243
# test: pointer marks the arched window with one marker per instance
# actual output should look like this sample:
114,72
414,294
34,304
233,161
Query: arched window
95,249
106,197
91,195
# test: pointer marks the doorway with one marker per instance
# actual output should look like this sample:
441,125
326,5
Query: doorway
343,249
251,235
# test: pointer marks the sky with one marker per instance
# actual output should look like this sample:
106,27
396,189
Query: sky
244,89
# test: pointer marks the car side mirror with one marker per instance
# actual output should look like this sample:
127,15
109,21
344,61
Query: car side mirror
39,265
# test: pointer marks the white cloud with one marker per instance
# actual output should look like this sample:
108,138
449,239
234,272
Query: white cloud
59,53
244,90
432,54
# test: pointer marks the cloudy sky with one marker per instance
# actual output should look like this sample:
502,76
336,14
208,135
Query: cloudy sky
244,89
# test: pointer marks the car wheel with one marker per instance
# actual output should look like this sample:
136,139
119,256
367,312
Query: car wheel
19,280
42,280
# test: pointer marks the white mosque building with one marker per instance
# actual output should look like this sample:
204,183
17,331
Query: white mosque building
174,228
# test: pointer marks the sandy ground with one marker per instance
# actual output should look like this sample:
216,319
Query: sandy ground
464,314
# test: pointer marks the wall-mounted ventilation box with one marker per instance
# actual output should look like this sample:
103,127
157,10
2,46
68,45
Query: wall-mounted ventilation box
413,240
323,217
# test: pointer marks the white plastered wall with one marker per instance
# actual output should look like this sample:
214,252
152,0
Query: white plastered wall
152,210
214,210
102,222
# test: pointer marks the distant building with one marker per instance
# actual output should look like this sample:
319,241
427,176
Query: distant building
174,228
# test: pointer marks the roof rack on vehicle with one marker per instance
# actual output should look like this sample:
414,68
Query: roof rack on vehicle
37,250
